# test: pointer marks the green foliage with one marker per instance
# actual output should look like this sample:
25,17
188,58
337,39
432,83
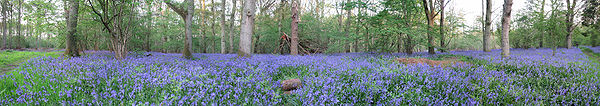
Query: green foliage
10,59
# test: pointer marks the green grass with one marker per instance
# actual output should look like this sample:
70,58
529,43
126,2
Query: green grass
595,57
12,59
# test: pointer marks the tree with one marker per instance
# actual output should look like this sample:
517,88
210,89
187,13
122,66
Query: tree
591,18
247,28
570,27
116,17
223,47
19,24
442,38
487,31
430,13
231,27
72,15
506,13
4,23
186,13
348,23
294,42
542,17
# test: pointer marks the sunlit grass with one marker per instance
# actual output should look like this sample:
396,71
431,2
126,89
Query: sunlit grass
12,59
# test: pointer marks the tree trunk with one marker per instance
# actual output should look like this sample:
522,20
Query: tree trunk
187,14
4,25
119,47
149,28
247,29
442,38
19,30
232,25
202,41
10,29
188,29
487,29
294,42
428,5
542,16
408,45
223,47
72,15
348,22
212,25
506,28
594,40
570,26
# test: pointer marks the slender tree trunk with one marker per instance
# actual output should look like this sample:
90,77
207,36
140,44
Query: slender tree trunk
19,34
442,38
4,24
213,22
72,15
294,42
348,22
542,17
570,26
223,47
487,29
231,27
594,40
202,42
247,28
149,28
506,28
10,27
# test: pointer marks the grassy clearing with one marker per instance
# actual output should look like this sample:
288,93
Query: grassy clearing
12,59
593,56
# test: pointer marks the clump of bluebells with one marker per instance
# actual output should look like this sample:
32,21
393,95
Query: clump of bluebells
594,49
530,76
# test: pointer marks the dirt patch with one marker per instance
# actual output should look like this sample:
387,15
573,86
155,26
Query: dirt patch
444,63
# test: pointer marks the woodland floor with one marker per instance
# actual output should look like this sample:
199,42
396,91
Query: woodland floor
11,59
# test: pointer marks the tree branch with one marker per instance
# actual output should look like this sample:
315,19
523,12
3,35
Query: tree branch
182,12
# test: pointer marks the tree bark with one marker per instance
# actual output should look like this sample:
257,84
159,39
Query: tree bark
4,25
408,45
506,28
247,29
442,38
188,29
72,15
213,22
10,29
148,27
232,25
542,16
20,41
429,13
570,26
294,42
348,24
116,21
487,29
202,41
223,47
187,15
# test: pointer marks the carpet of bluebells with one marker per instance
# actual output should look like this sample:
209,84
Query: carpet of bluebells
530,76
594,49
